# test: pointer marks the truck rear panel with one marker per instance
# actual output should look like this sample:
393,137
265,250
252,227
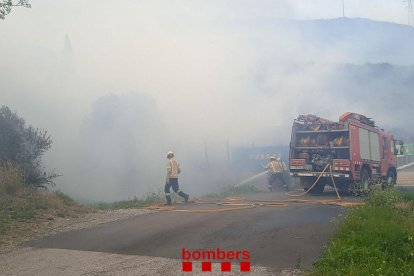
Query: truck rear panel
349,151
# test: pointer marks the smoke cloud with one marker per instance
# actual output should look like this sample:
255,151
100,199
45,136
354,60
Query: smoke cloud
118,85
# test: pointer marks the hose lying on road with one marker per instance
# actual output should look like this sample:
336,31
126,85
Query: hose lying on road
272,204
161,208
313,201
245,206
242,204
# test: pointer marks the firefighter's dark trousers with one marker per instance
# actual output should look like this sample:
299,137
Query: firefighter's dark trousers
274,178
173,182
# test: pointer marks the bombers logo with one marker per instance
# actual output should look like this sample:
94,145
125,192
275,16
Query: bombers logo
206,257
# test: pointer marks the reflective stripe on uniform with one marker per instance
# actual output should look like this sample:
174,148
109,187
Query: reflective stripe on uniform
178,191
167,194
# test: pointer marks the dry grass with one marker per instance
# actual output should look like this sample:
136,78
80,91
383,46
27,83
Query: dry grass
26,213
407,205
11,181
31,214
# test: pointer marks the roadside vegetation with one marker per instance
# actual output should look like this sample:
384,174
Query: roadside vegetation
233,190
149,199
24,184
22,207
374,239
23,146
159,198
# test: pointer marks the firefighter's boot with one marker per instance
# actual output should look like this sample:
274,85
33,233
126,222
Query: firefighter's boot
184,195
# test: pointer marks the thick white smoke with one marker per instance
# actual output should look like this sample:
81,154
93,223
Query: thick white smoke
117,85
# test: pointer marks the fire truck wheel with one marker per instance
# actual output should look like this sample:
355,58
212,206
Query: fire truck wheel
317,189
306,182
364,180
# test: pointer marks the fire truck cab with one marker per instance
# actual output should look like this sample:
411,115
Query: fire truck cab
351,154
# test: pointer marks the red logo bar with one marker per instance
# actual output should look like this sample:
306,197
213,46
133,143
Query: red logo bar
206,266
187,266
244,266
225,266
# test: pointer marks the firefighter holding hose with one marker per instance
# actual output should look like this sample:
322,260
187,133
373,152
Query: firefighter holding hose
173,170
275,170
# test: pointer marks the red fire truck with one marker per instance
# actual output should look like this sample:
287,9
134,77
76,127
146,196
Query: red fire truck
351,154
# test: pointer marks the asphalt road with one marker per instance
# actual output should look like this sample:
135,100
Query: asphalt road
288,237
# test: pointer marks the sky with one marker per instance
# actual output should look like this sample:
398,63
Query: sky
117,84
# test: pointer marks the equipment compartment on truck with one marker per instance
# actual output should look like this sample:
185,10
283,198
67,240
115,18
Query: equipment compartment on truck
350,152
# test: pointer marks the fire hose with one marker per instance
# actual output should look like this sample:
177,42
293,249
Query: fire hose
243,204
316,181
239,203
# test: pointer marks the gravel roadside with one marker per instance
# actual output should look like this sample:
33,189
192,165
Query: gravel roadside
62,224
33,261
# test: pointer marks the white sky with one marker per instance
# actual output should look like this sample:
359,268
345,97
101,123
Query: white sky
164,48
133,45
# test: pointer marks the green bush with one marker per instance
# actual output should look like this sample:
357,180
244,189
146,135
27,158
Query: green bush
375,239
408,195
384,198
24,145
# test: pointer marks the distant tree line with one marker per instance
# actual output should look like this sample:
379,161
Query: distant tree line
6,6
24,146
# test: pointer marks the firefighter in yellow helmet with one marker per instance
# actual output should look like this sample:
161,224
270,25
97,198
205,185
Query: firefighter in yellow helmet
173,170
275,170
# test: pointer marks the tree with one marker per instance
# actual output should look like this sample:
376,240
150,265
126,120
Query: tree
24,146
6,6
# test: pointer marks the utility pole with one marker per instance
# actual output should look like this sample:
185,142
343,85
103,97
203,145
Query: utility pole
343,9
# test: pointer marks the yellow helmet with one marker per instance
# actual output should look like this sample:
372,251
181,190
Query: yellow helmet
170,153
